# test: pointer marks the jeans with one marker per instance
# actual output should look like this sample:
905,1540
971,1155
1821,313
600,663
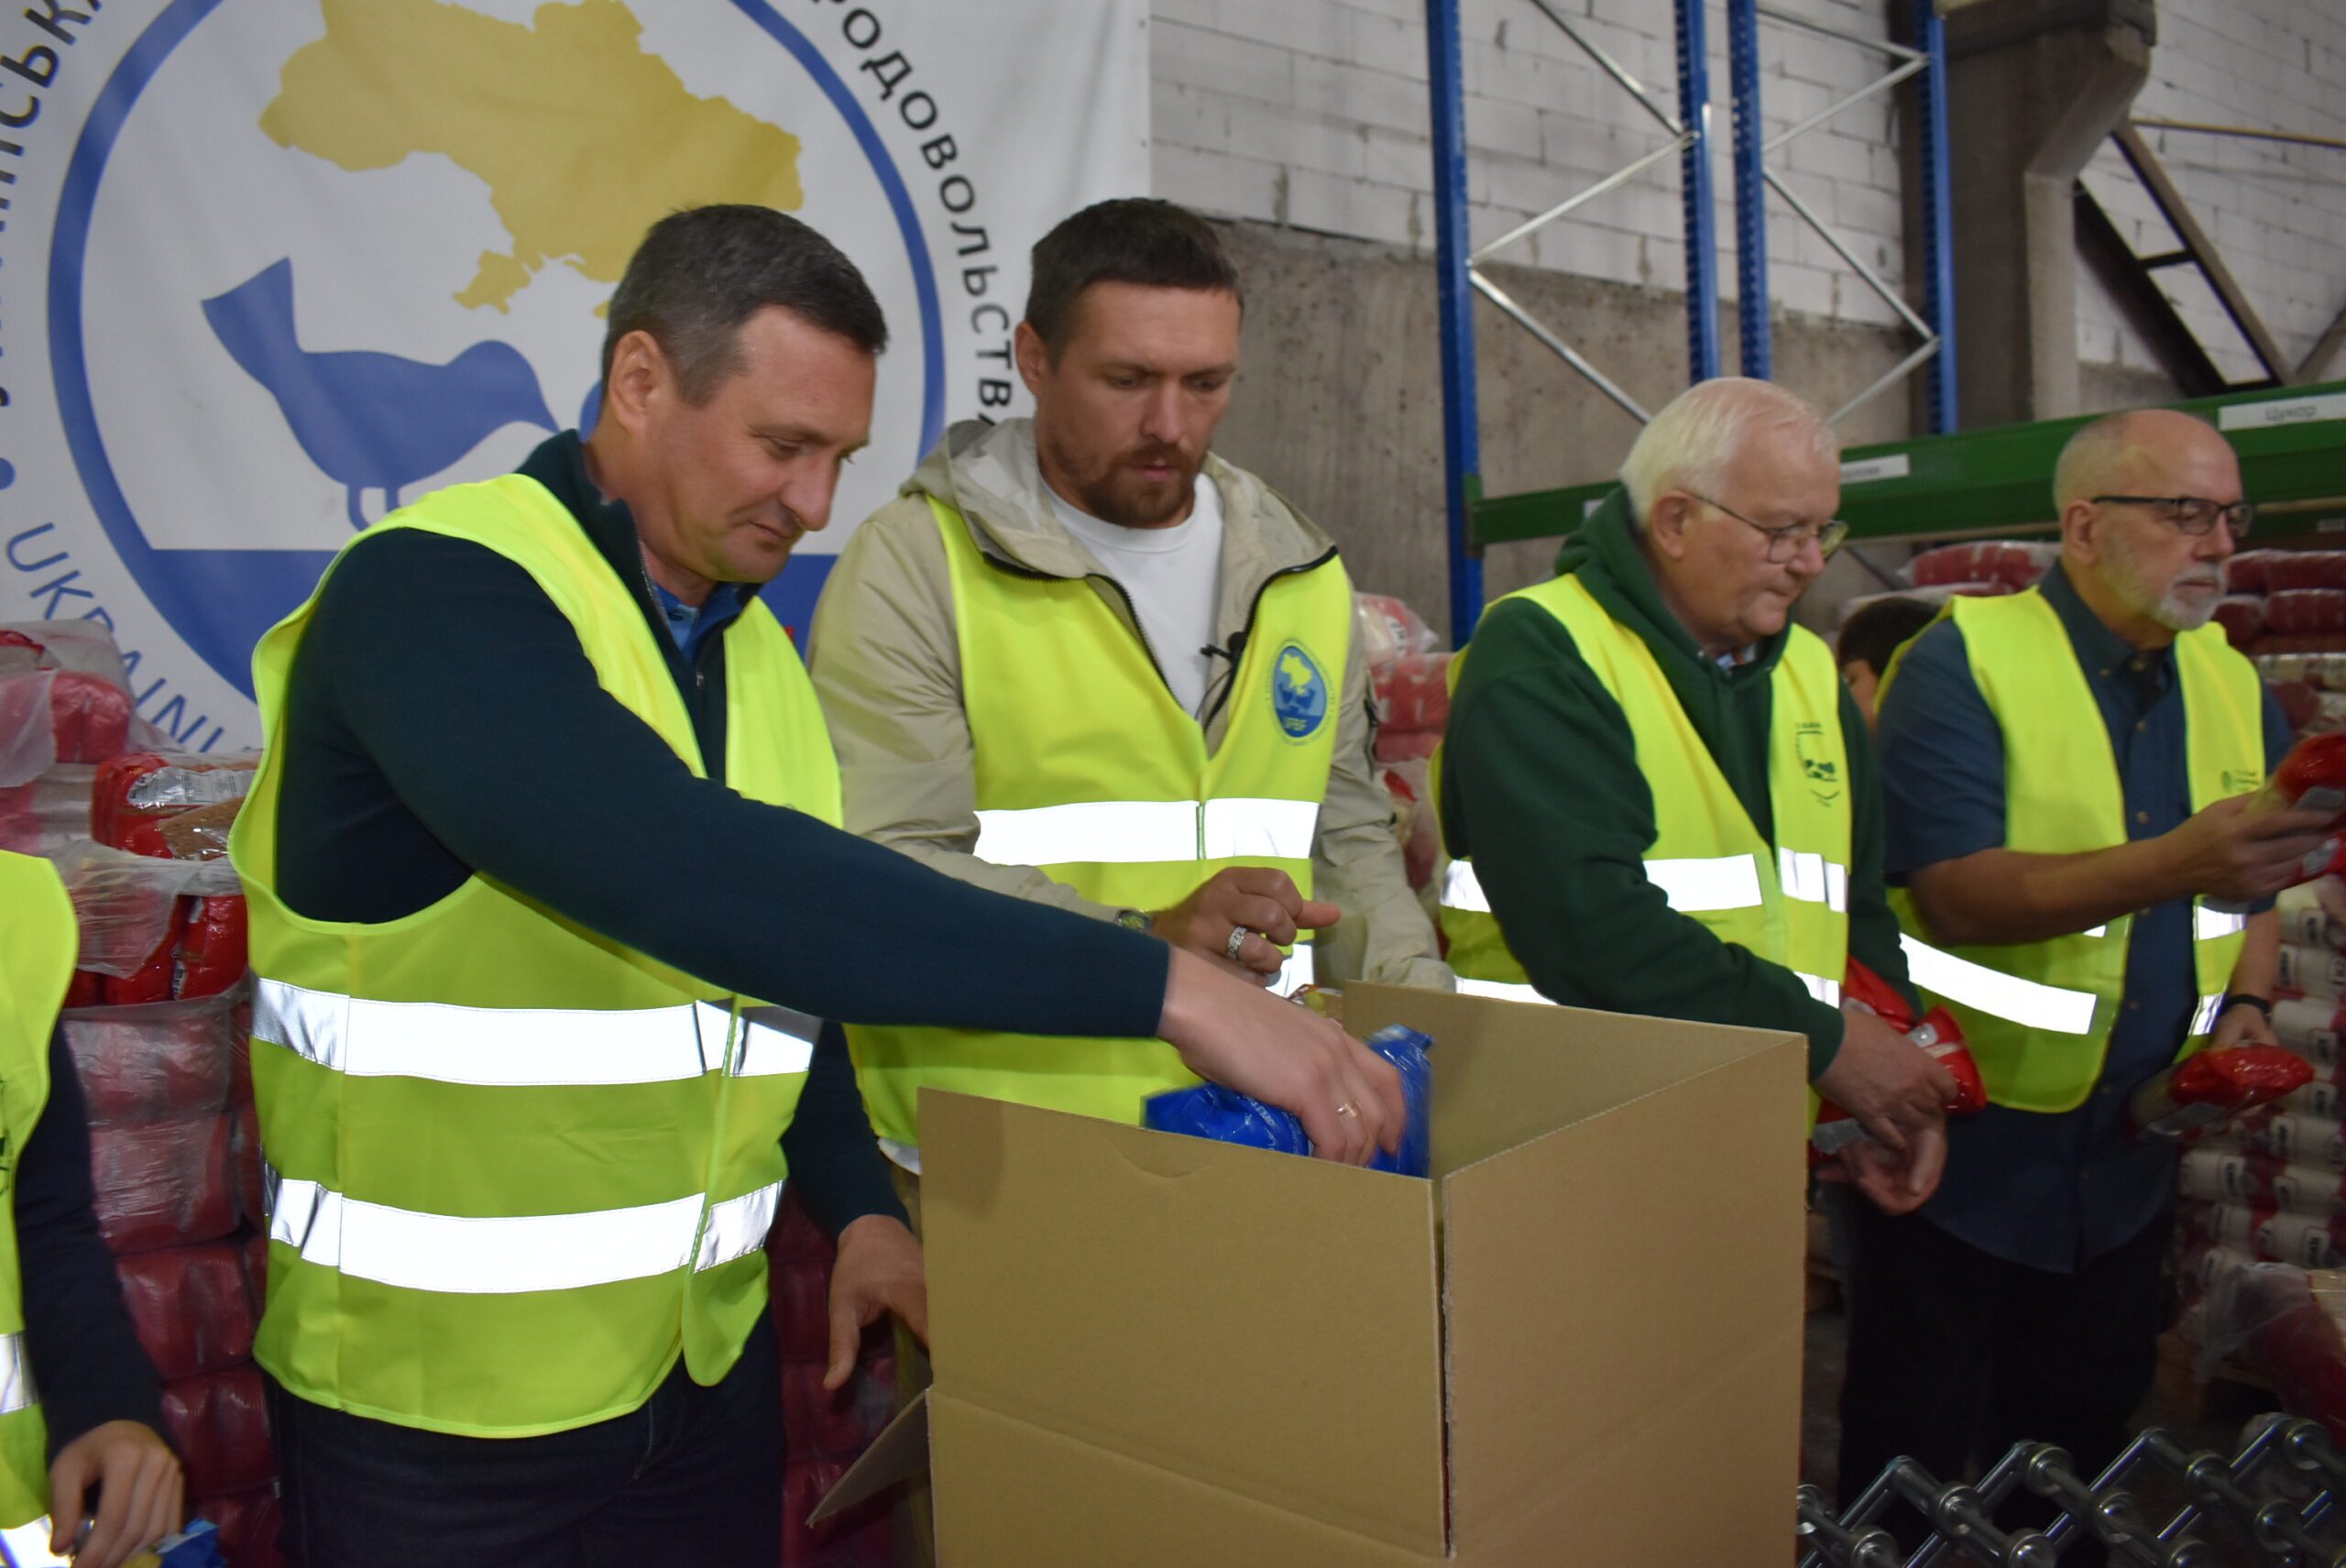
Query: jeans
694,1476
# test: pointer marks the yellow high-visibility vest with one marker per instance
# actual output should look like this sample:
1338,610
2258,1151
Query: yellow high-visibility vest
1088,770
37,944
517,1167
2037,1016
1788,901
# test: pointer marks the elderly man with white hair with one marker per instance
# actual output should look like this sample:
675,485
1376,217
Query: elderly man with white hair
1658,796
2062,772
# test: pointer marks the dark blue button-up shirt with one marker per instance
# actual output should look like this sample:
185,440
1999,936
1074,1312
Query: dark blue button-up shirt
2053,1191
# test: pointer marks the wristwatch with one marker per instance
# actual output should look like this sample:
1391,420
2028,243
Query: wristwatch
1135,919
2242,999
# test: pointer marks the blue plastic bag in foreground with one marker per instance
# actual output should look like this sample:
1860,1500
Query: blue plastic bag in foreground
1211,1111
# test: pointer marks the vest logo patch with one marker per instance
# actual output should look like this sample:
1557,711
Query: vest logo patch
1299,692
1817,764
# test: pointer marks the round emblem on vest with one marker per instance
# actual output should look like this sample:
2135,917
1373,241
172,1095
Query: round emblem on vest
1299,692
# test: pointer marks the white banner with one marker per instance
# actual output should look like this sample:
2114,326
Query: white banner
269,268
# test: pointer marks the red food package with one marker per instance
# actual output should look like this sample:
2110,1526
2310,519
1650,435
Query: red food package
1414,694
87,990
43,814
190,1306
2243,618
212,947
2298,699
1946,563
218,1423
244,1147
92,715
248,1522
2300,611
154,978
2287,570
1407,745
820,1422
1389,629
150,786
254,1255
147,1064
2250,571
1937,1033
2214,1086
801,1289
163,1183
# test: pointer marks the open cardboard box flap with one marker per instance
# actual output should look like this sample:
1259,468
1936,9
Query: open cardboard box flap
1169,1347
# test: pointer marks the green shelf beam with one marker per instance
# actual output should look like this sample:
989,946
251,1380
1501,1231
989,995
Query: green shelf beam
2291,441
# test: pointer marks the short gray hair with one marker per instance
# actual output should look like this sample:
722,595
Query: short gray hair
1690,442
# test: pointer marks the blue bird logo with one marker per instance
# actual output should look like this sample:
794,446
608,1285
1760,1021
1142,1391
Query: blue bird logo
372,422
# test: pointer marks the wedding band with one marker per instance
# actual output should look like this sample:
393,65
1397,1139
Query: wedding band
1346,1110
1238,935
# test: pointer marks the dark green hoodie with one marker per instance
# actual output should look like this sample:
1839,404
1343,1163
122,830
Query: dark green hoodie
1540,785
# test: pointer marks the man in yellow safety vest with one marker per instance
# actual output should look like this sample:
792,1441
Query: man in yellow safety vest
2063,771
1083,661
553,927
1657,795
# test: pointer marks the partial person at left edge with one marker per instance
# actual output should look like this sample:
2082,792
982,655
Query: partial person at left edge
546,821
80,1409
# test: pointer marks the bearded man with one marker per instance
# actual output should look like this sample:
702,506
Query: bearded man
2065,773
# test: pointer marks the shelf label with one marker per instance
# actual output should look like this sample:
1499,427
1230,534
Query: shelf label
1871,469
2280,411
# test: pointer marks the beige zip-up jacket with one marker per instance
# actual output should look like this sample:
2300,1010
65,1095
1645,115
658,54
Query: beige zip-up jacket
886,662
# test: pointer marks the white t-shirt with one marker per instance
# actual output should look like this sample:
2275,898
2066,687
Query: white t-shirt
1173,577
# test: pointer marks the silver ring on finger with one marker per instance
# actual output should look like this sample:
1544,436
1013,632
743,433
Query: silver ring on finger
1346,1109
1238,935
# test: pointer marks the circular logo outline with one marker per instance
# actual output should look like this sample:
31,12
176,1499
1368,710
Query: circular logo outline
265,585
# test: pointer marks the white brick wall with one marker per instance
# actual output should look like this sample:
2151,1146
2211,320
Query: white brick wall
1314,113
2276,212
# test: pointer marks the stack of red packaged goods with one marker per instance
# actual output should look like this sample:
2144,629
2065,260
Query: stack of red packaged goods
2262,1217
156,1023
1985,569
824,1431
2286,601
1409,677
65,706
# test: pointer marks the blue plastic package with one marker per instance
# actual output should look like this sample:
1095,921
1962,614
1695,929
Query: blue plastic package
1211,1111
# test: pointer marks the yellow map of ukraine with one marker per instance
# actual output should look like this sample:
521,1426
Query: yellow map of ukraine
584,140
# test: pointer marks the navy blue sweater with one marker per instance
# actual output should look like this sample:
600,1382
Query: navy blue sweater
442,720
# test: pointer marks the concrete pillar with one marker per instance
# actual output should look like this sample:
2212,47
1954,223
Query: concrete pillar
2034,86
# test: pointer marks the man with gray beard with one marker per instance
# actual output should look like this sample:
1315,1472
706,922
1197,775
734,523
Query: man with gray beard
2062,772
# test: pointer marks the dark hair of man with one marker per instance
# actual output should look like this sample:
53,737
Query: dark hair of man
1875,632
702,272
1132,239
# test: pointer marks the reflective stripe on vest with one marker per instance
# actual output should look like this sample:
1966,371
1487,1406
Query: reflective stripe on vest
514,1046
15,1376
510,1255
2209,925
1126,832
1722,882
2023,1001
2038,1014
1502,989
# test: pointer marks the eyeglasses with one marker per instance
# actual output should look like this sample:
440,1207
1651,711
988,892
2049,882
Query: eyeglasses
2195,515
1783,543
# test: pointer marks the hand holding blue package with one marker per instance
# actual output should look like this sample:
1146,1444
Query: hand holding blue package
1211,1111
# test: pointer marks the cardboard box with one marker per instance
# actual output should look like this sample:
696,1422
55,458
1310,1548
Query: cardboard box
1579,1345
